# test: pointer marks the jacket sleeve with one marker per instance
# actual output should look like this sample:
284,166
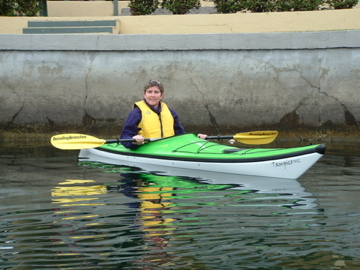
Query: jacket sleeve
130,128
178,128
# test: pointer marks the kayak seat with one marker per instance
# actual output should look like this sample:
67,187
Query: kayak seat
232,150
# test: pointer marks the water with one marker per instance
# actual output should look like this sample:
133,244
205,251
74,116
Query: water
57,213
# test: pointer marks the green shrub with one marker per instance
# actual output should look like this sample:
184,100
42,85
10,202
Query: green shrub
180,6
260,5
342,4
299,5
143,7
232,6
229,6
6,8
20,7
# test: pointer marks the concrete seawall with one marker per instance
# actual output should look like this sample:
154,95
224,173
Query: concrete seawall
216,82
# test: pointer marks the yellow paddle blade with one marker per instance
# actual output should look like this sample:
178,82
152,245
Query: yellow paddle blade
75,141
256,137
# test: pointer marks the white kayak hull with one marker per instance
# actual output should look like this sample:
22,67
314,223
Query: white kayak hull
288,168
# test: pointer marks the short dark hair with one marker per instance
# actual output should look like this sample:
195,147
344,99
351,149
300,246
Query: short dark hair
152,83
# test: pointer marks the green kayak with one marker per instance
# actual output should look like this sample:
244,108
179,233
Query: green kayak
190,152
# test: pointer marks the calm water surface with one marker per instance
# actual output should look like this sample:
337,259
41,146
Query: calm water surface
57,213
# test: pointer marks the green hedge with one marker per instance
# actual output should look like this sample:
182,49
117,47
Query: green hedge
180,6
342,4
146,7
232,6
21,7
143,7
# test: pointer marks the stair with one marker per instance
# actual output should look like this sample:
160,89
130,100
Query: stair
73,27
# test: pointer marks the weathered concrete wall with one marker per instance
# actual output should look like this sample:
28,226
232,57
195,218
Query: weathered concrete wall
212,80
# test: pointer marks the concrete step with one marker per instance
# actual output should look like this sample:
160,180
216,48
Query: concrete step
71,23
72,27
68,30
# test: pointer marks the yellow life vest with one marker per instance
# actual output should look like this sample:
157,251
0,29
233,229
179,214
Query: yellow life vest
153,125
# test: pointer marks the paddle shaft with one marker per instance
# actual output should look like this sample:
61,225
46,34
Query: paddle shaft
83,141
127,140
219,137
149,140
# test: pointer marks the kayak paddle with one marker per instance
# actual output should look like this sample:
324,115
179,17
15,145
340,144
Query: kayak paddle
254,137
74,141
82,141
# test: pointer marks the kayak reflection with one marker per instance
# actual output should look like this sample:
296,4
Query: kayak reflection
160,212
190,181
168,205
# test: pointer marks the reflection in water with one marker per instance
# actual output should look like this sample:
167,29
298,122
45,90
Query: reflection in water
159,214
151,220
64,193
126,218
170,205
